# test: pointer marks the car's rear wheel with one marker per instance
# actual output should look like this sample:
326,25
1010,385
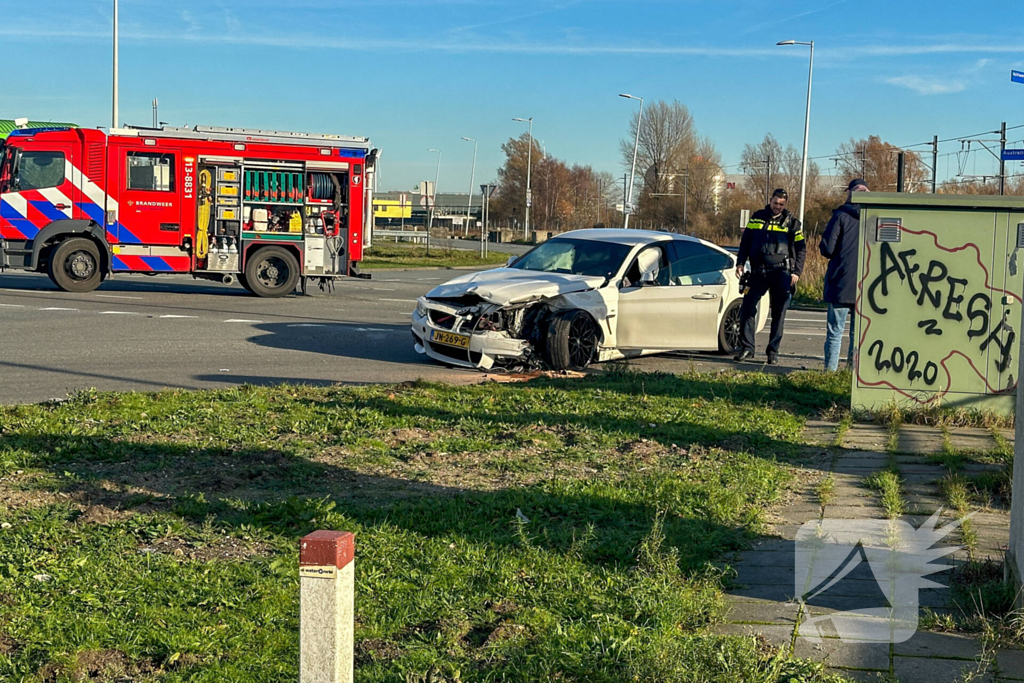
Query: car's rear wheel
729,333
572,341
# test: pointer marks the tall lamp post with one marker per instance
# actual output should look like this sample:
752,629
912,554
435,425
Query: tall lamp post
636,146
807,125
115,122
529,168
433,198
472,181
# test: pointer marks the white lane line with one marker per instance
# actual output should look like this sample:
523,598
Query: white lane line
12,305
115,296
370,329
118,313
307,325
236,320
179,316
400,301
54,308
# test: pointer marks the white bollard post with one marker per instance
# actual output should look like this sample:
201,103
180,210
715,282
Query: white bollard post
327,574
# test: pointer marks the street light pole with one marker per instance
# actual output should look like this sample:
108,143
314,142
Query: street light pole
472,181
433,198
807,126
636,146
115,122
529,168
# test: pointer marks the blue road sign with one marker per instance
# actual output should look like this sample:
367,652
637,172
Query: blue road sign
1017,76
1013,155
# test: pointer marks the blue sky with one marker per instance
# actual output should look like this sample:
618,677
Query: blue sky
416,74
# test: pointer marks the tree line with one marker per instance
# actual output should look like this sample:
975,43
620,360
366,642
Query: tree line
680,180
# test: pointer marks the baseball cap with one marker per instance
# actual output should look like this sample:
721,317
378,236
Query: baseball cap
855,182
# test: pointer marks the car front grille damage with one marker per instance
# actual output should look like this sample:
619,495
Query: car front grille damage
526,322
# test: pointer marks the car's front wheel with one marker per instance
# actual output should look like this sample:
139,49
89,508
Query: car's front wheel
729,332
572,341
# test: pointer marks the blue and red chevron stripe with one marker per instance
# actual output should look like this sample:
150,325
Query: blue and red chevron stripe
152,264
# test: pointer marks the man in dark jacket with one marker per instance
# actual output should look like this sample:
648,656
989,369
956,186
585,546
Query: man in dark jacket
774,242
839,245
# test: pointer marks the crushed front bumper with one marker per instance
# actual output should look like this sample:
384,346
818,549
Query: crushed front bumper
486,349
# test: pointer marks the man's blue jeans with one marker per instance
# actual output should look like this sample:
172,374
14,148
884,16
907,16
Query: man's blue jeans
837,315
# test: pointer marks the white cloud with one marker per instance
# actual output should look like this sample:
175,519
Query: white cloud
927,86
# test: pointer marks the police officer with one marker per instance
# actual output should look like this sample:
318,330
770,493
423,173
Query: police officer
774,243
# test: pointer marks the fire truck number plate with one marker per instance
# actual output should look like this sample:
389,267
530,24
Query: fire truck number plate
459,341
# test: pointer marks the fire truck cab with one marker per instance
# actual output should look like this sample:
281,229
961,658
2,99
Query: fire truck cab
265,208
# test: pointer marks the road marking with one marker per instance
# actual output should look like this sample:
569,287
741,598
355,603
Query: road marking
117,313
234,320
58,309
12,305
400,301
115,296
179,316
370,329
307,325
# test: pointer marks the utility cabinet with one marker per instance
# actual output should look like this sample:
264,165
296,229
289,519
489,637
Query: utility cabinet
938,310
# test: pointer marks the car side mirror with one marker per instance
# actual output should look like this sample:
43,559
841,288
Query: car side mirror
511,260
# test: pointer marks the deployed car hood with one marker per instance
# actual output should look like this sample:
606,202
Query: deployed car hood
503,286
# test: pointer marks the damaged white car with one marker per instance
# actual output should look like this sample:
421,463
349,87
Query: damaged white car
583,297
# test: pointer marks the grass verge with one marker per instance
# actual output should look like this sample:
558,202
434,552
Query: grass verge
384,255
154,536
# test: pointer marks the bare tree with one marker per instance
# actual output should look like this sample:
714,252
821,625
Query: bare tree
875,161
667,141
769,167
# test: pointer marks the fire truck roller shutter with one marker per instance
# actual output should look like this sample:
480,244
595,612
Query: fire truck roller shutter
44,243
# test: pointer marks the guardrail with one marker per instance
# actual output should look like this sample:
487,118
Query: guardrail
417,236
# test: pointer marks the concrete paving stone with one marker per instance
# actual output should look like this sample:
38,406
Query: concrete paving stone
946,645
866,590
777,613
866,437
749,575
819,433
854,512
1010,664
994,519
1008,434
971,439
778,636
774,593
917,439
770,544
858,471
800,513
828,603
927,670
757,558
786,531
933,597
840,653
924,479
859,676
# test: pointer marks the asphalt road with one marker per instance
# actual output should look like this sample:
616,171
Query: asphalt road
147,333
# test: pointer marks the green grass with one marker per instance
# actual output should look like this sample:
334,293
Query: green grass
825,491
889,486
385,255
155,536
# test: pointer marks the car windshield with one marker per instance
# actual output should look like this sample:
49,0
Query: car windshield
578,257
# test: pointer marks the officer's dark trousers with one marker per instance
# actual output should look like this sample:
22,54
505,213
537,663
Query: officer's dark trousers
778,285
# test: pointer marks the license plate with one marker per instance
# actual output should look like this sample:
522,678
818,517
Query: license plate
459,341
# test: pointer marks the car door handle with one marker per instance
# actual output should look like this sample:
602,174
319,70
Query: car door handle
61,207
704,297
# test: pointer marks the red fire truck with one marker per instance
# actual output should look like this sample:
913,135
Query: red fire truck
264,207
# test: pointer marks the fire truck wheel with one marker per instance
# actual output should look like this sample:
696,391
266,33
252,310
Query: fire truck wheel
75,265
242,280
272,271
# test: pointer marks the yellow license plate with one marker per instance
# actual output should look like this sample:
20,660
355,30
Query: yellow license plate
459,341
